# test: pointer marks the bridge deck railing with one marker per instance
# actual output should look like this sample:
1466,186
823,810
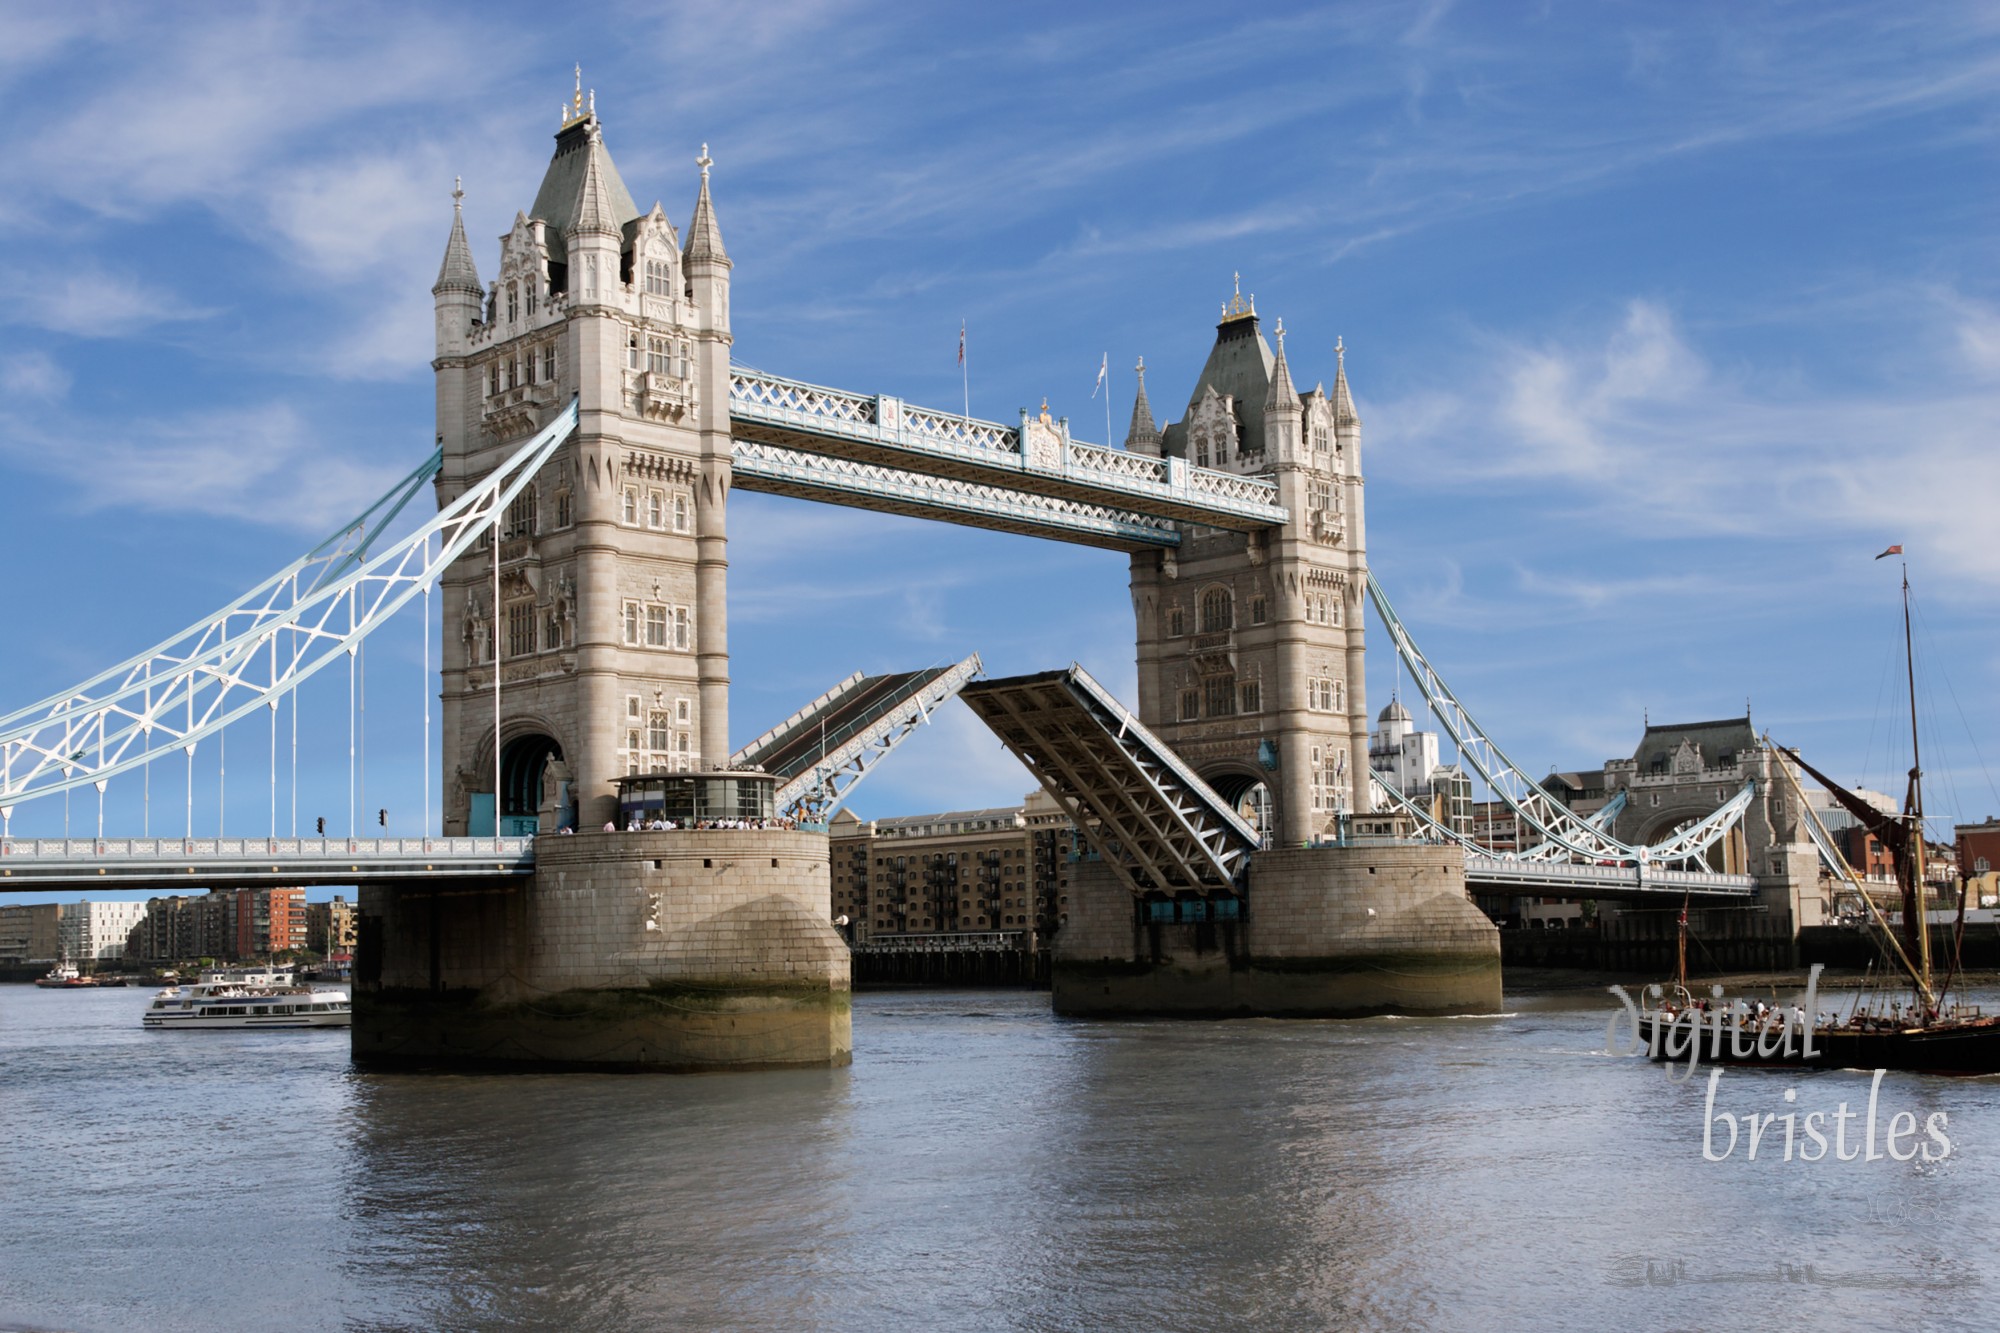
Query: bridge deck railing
260,849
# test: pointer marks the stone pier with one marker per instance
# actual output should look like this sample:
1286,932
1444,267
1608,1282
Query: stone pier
1328,932
670,951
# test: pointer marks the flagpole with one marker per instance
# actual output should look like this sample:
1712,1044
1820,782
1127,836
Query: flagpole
965,380
1107,402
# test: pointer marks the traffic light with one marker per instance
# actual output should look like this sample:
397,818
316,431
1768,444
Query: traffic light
322,826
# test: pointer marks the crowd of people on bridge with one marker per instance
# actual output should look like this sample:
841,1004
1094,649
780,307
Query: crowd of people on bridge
661,824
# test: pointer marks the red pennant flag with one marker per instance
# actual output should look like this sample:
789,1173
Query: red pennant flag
1893,550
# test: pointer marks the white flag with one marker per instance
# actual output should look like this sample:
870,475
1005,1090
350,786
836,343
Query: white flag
1103,368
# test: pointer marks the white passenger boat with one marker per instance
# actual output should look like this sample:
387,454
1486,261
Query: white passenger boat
249,997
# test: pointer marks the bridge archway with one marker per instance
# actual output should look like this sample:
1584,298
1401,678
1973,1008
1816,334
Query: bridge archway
1249,795
1724,857
522,759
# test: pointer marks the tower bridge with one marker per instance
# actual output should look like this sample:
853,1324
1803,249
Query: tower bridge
591,424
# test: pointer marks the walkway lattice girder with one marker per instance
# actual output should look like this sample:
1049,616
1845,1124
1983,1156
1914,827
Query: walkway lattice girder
855,724
756,465
884,432
1142,810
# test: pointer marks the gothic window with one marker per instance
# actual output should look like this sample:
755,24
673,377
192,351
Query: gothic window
520,629
1333,609
564,517
513,374
1201,449
1259,613
521,516
1215,611
656,509
681,507
657,278
630,513
634,617
1190,705
659,356
554,630
513,301
1253,701
681,628
656,626
1339,695
493,379
683,711
549,364
531,297
528,366
1176,622
1220,696
659,737
631,351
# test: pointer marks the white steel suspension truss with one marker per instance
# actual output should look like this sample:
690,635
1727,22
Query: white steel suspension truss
821,789
261,646
1562,831
1142,810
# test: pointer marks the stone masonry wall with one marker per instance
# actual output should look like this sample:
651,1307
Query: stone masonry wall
673,950
1328,932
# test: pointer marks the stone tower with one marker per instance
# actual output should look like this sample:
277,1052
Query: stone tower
610,621
1250,646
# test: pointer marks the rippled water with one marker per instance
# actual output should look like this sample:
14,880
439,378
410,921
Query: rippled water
982,1165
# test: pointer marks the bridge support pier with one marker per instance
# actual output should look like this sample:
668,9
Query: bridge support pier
1330,932
675,951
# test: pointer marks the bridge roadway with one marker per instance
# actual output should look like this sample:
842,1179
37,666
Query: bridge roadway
29,865
1510,876
162,865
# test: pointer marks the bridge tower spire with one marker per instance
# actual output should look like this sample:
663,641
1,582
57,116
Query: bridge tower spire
610,616
1250,646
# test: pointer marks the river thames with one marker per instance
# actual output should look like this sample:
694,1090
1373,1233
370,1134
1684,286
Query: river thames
982,1165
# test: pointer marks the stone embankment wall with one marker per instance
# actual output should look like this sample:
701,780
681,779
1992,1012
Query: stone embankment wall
675,950
1329,932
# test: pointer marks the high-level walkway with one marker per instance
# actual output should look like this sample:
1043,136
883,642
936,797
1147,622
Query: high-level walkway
877,452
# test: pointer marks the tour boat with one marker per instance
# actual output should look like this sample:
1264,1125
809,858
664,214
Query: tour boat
1916,1029
249,997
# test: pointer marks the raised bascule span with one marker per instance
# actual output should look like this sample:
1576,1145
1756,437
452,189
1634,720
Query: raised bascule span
822,752
1142,810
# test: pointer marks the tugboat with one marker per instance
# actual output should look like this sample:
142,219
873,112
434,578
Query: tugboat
64,976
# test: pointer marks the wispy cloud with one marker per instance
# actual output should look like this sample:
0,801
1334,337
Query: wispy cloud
1633,429
35,376
259,465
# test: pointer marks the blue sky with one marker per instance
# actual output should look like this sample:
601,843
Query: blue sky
1662,321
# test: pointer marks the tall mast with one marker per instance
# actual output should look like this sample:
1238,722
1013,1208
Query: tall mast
1916,811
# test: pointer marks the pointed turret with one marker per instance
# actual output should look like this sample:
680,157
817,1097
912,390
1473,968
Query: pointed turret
596,208
1281,409
704,241
1344,415
1282,394
1144,436
458,273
